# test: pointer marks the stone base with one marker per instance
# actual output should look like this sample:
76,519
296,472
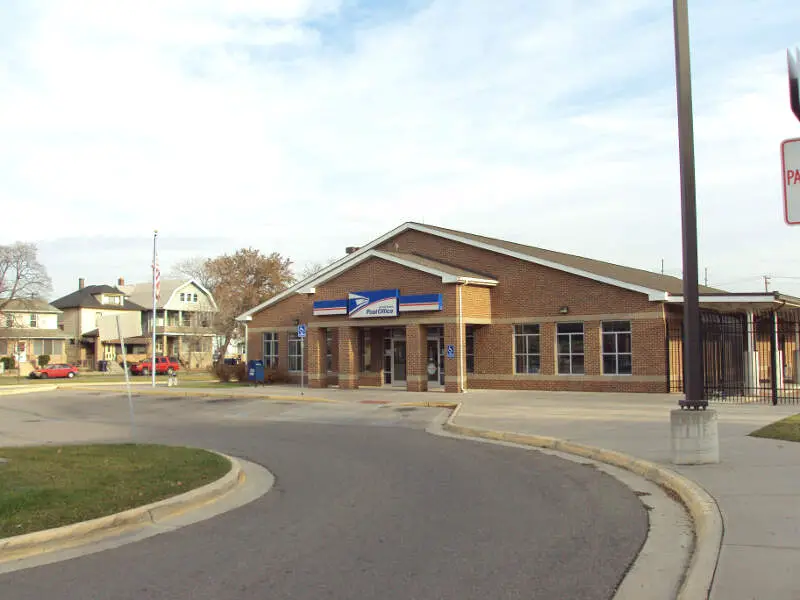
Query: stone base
348,382
695,438
416,383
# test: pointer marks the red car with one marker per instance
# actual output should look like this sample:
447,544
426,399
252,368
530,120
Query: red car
164,364
54,370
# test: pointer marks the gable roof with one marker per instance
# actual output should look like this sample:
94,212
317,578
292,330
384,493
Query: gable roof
656,286
599,268
142,293
85,298
27,305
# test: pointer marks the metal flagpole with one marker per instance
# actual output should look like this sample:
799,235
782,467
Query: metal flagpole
155,268
127,376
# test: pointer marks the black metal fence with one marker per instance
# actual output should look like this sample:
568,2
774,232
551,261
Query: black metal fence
744,360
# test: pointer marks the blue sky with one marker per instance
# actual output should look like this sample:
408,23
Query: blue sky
304,126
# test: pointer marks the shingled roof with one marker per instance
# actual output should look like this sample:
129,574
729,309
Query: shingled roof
639,277
85,298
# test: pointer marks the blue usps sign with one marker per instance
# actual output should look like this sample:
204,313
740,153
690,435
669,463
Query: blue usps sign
451,351
301,331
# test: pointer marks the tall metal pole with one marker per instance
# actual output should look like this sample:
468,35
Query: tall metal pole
693,356
155,258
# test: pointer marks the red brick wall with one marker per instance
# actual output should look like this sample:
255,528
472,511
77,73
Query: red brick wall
348,357
416,376
527,293
525,288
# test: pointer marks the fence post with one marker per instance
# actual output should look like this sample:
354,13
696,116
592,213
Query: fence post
773,358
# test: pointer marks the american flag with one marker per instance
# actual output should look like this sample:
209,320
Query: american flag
157,278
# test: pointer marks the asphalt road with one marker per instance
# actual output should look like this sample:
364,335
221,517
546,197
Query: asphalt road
366,505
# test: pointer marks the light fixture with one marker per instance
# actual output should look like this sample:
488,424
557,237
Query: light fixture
564,310
297,321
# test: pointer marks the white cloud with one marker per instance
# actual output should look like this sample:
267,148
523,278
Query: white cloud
264,123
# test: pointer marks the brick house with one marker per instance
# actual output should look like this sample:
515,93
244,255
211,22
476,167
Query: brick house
425,307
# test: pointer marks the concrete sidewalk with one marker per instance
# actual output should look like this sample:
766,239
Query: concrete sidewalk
756,485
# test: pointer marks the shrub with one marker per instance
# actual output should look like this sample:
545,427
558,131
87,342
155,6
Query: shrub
8,363
44,360
272,375
222,372
239,372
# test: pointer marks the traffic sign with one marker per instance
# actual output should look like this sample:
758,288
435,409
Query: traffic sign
790,163
301,331
451,351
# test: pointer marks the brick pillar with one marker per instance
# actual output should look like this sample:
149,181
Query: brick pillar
547,347
348,357
283,353
453,367
416,375
591,348
315,350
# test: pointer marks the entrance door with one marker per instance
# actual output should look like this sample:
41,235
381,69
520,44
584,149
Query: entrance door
398,362
394,357
433,363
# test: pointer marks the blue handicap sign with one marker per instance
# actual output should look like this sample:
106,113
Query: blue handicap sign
451,351
301,331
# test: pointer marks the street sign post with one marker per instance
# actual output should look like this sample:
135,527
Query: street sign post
790,168
301,333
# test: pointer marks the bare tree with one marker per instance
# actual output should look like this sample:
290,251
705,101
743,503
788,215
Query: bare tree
193,268
22,276
313,267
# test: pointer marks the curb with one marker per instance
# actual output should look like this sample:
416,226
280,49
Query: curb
207,394
702,507
35,542
27,389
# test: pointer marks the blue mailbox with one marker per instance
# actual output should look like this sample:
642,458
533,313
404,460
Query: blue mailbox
255,371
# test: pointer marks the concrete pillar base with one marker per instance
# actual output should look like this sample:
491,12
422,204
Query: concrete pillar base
694,436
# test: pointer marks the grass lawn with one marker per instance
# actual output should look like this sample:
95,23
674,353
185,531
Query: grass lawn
786,429
50,486
95,377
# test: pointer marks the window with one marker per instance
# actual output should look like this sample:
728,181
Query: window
527,355
97,319
38,347
469,351
270,349
617,348
183,297
34,320
295,353
3,347
9,320
194,299
49,347
329,350
569,340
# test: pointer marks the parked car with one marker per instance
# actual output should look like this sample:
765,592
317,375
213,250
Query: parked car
164,365
53,371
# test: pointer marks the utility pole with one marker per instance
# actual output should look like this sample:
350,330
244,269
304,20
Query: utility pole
692,350
705,277
662,266
766,283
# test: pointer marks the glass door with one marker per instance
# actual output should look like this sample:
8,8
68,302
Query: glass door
433,362
398,362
